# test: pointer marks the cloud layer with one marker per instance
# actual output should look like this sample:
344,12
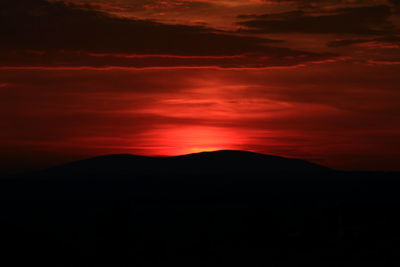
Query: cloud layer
369,20
39,33
326,113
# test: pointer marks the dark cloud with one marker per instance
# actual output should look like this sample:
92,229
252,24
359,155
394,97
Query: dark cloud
43,33
42,25
395,2
355,20
385,41
270,57
318,5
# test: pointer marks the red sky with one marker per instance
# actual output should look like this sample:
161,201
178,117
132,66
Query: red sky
317,80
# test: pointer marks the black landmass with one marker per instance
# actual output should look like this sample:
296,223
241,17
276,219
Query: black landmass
224,208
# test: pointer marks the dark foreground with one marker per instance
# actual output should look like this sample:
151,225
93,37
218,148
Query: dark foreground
221,209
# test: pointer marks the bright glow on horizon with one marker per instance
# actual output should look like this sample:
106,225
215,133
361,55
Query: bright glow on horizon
195,139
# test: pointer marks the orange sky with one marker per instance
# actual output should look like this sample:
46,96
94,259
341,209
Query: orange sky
315,81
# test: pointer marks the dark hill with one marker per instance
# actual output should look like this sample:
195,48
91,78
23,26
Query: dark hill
224,208
224,162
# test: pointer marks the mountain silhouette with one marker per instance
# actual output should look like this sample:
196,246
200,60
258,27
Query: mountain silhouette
223,208
223,162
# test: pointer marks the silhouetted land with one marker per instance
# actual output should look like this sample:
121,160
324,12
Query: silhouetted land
226,208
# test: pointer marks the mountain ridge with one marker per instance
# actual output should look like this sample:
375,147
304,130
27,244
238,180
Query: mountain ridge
215,162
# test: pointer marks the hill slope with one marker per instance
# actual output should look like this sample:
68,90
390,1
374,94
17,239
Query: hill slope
225,162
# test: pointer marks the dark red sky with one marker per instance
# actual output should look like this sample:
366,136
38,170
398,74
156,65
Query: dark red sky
317,80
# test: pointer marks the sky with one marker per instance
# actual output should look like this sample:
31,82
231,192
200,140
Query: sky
316,80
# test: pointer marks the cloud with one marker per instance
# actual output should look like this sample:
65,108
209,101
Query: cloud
42,25
270,57
395,2
367,20
42,33
389,42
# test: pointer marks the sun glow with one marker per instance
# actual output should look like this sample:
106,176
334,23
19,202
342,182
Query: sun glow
178,141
